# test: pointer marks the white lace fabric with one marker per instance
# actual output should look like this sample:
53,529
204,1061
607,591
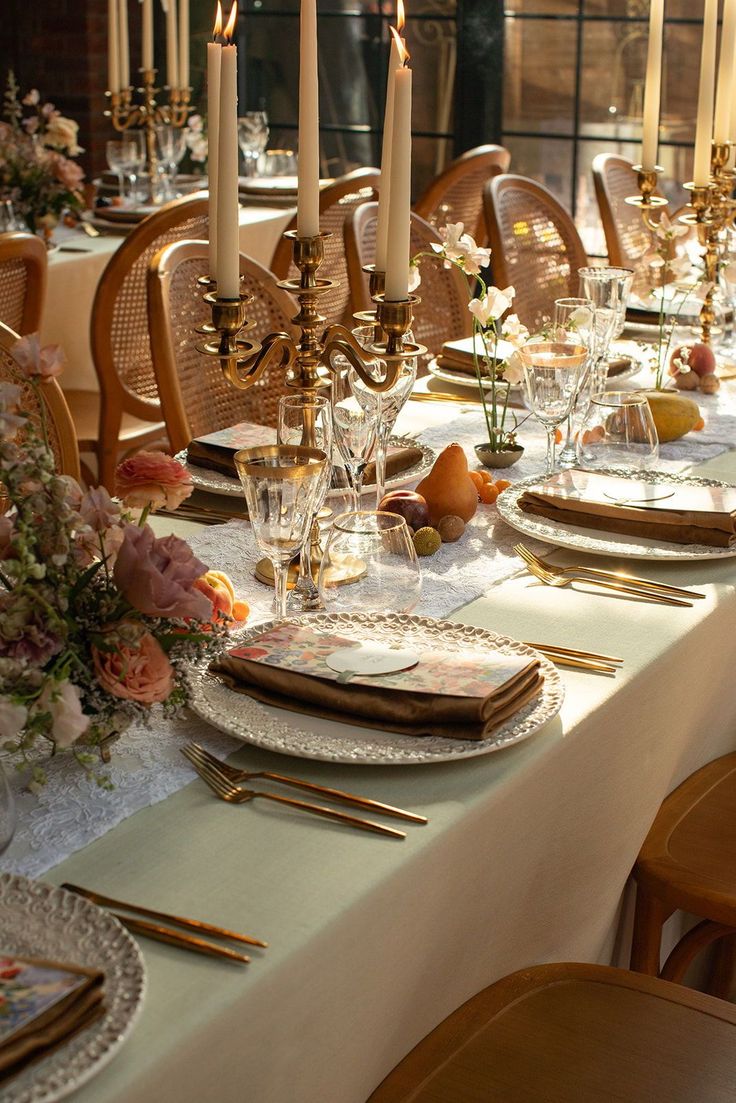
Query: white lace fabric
70,811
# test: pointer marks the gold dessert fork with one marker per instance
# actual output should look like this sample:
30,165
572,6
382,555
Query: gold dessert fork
555,578
614,576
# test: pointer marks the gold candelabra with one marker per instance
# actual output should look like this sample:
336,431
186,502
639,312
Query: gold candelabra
712,210
147,114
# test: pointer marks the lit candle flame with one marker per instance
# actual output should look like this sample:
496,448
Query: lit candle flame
217,29
400,17
404,54
229,31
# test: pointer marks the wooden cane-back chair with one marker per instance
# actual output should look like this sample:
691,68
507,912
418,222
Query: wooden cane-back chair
456,195
55,412
23,265
126,415
442,315
336,202
627,238
195,396
535,246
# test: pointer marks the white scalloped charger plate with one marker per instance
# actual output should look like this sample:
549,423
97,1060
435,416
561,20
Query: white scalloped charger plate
42,921
216,483
607,543
282,731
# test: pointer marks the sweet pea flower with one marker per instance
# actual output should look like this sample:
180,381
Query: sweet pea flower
157,576
62,700
460,248
514,331
135,672
10,419
12,718
152,479
492,306
35,361
98,510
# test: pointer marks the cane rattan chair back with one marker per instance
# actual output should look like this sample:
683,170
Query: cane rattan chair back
442,315
58,422
195,396
535,246
23,264
119,335
627,238
456,195
336,202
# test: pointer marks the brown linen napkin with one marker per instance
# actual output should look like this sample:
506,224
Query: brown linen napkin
376,702
664,511
46,1002
397,460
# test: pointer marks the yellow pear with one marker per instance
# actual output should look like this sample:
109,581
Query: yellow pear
448,488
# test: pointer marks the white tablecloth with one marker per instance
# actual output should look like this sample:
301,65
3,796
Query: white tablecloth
73,279
373,942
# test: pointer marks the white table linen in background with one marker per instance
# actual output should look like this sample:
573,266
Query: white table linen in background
373,942
73,279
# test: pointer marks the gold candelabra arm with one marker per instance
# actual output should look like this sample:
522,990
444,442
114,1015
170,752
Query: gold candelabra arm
242,371
122,113
646,200
338,340
179,106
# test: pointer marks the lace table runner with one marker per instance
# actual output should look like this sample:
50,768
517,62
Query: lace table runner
71,812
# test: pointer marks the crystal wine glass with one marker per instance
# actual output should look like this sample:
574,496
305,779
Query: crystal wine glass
389,404
281,483
252,138
136,161
171,145
574,321
370,565
608,287
306,420
552,372
354,423
618,431
120,153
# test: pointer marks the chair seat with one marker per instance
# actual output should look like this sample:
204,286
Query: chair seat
588,1033
688,859
85,411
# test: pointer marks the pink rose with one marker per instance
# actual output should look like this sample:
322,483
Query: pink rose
152,479
157,576
140,672
34,360
62,700
66,172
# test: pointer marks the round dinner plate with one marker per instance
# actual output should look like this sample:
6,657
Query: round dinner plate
607,543
214,482
39,920
328,741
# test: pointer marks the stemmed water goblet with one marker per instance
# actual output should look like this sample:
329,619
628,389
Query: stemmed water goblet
370,565
305,419
120,154
552,372
136,161
574,321
281,483
171,146
389,403
252,138
354,423
618,431
609,288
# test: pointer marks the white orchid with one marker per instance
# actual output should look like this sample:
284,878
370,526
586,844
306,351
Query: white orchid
491,306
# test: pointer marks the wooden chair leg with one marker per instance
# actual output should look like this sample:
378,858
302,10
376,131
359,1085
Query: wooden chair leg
723,970
689,947
107,444
649,917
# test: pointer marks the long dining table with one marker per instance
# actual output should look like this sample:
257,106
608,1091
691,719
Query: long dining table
526,857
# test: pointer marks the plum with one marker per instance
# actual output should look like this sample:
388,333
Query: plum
407,504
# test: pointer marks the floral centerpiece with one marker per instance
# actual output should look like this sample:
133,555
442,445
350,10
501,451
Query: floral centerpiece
99,618
37,170
492,323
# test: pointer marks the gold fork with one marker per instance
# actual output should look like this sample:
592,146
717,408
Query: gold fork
614,576
234,774
552,578
225,790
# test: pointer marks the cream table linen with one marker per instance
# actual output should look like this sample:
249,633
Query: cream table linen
373,942
73,279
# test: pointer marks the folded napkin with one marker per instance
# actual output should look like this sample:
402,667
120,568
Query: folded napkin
458,695
43,1004
457,356
661,511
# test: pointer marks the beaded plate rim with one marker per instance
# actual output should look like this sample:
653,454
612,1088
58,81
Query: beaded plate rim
38,919
278,730
612,544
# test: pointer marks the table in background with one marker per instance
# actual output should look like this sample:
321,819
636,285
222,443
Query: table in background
73,279
372,942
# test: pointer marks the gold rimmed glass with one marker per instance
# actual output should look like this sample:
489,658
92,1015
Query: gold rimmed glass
281,483
552,372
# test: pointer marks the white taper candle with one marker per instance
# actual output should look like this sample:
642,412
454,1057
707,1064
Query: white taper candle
307,211
399,219
704,128
228,244
652,88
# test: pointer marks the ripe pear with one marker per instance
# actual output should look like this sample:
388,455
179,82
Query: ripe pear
448,487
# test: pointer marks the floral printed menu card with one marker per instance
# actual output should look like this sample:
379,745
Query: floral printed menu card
41,1004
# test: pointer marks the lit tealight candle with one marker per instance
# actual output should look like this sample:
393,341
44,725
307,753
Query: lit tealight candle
388,123
307,210
228,244
399,218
